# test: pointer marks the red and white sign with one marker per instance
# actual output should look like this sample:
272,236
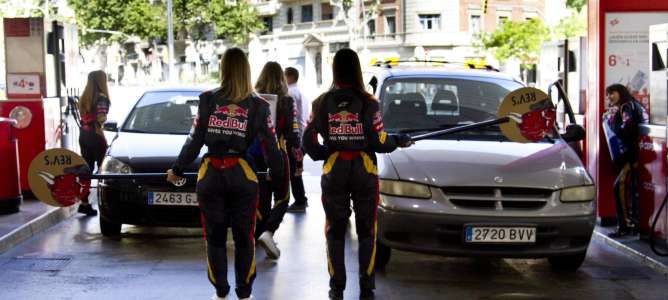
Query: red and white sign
627,53
23,86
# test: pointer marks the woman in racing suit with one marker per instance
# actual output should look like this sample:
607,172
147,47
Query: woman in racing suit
229,120
272,81
350,122
93,106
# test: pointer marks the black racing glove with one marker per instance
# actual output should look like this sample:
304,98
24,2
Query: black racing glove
403,140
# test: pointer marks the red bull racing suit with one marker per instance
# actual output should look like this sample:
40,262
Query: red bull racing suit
352,128
287,131
227,188
91,139
626,124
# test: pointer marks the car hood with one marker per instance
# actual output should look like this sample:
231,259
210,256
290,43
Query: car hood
149,152
485,163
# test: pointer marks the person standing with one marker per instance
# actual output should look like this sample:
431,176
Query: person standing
625,119
350,123
272,81
229,119
94,106
297,155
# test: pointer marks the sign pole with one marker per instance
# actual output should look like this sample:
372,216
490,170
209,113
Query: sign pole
170,42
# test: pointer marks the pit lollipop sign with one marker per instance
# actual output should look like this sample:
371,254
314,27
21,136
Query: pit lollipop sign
532,115
526,115
57,178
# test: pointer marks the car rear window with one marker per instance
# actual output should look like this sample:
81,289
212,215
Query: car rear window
163,113
416,103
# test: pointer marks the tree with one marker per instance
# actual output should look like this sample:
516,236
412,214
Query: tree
572,26
129,17
576,4
520,40
235,22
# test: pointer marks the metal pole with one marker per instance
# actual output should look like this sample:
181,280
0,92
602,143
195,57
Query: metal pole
460,128
170,42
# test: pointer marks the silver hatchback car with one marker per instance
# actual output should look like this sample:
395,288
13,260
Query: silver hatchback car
475,193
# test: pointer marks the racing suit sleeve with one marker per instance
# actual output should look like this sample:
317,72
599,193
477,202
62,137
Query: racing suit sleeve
267,135
292,125
379,140
195,140
293,133
629,131
310,141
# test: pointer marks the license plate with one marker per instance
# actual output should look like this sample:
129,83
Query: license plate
167,198
493,234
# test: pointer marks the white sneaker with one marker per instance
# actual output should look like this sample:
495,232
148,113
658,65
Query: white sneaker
249,298
215,297
267,242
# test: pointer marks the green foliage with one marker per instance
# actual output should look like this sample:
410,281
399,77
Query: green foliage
192,18
131,17
236,22
572,26
520,40
576,4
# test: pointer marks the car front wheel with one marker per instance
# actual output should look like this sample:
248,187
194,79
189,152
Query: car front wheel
109,228
567,263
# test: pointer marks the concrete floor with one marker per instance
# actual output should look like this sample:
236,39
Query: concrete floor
74,261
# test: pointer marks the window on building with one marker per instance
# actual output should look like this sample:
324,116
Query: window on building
501,20
430,22
268,24
334,47
391,27
327,11
307,13
289,15
475,24
371,27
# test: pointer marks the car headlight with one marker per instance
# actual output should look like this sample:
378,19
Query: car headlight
112,165
404,189
578,194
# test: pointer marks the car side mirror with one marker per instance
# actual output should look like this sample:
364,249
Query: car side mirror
111,126
574,133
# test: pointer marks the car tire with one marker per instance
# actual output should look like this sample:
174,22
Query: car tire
383,254
110,229
567,263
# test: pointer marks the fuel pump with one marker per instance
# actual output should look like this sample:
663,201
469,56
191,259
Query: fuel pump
652,240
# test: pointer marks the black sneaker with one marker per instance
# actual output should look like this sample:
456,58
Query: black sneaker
295,207
366,294
87,210
620,233
335,294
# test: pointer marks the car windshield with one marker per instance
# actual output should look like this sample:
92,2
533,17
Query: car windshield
163,113
424,104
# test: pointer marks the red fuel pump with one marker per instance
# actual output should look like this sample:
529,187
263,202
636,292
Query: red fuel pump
617,44
35,75
10,189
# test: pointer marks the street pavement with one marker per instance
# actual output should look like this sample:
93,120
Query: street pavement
74,261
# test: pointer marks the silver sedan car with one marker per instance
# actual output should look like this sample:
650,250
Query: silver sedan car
475,193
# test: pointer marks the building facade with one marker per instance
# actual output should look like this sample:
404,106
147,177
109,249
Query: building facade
306,33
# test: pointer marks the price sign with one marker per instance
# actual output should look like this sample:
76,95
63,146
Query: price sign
23,85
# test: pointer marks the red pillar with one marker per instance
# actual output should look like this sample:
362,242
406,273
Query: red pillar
597,158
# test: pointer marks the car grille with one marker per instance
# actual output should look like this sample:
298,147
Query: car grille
498,198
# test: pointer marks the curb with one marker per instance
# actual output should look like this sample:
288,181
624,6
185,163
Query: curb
632,253
36,226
